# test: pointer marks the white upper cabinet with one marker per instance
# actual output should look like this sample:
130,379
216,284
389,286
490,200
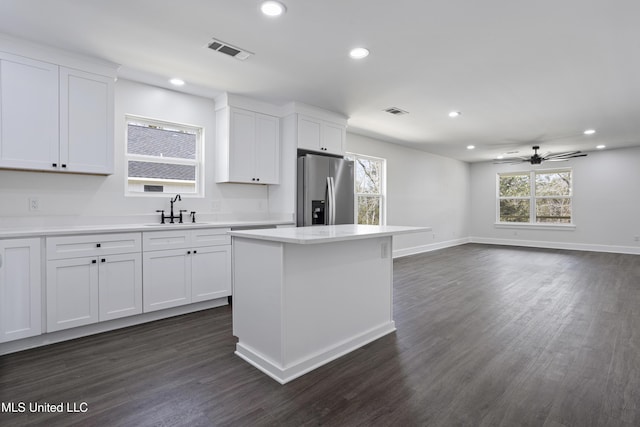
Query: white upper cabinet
267,149
247,142
55,118
86,122
320,135
248,146
28,113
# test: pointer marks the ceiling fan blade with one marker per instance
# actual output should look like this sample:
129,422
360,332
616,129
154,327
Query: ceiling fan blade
566,154
510,161
564,159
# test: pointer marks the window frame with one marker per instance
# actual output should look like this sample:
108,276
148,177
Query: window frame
532,198
198,162
383,187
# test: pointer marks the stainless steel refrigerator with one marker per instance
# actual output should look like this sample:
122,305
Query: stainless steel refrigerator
325,190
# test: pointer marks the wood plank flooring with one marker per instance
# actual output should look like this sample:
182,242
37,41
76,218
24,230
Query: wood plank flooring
487,336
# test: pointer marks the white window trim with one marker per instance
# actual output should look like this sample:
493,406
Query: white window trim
198,162
532,225
383,188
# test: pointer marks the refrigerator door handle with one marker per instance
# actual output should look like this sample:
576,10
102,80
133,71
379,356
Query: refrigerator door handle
332,207
328,203
332,200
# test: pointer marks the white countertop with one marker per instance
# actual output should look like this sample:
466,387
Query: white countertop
326,233
57,230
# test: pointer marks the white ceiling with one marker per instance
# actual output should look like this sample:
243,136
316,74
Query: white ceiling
522,73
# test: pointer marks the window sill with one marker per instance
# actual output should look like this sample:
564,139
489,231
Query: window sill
522,225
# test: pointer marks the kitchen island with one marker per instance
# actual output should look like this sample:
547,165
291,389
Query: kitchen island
308,295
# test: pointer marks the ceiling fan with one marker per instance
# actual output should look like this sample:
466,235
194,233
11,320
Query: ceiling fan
536,159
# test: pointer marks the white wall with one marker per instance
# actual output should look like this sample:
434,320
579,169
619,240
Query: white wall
103,196
422,190
606,204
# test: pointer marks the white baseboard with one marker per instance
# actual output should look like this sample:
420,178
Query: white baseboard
399,253
291,371
632,250
558,245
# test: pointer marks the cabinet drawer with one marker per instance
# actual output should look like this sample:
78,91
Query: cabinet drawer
92,245
178,239
210,237
162,240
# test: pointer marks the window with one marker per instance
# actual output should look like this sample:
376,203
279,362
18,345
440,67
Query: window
163,157
369,189
537,197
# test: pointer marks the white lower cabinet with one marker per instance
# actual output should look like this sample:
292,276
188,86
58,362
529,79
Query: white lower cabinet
210,273
72,293
166,279
83,290
20,289
120,286
197,267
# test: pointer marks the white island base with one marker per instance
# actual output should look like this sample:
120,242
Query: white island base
305,296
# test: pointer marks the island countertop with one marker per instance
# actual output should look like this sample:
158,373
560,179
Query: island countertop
326,233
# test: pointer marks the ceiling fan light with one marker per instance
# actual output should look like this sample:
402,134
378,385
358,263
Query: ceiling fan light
601,146
455,114
470,147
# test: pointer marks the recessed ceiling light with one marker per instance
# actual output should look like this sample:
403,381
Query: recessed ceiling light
272,8
359,53
500,157
589,131
454,114
177,82
470,147
601,146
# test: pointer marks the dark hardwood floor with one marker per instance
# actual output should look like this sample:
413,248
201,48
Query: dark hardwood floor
487,336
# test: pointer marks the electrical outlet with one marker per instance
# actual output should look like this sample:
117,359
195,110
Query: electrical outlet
34,204
637,238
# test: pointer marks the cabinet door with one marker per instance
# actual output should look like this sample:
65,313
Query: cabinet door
28,113
267,149
211,273
120,283
333,136
72,293
167,279
242,139
20,289
86,122
309,133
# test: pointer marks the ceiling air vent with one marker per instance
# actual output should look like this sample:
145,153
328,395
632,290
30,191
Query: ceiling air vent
226,48
396,111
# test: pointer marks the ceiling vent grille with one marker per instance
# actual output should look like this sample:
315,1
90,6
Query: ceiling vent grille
396,111
226,48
